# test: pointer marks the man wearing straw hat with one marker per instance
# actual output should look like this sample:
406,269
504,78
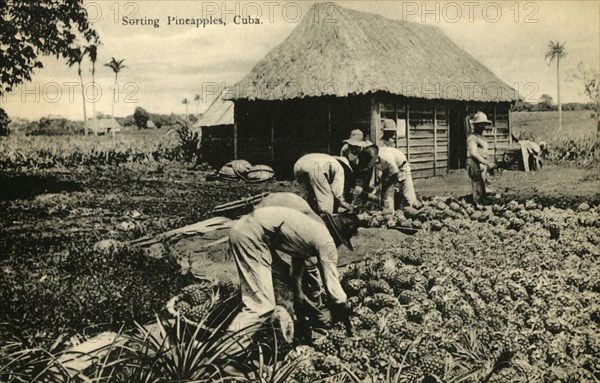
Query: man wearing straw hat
477,163
353,145
389,132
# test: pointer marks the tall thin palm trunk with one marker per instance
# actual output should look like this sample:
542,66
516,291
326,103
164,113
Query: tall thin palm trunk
94,102
114,95
83,99
558,95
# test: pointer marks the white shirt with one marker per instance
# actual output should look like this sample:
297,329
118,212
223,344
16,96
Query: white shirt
303,236
391,160
324,165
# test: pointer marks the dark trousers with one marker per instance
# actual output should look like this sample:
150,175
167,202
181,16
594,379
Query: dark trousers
477,181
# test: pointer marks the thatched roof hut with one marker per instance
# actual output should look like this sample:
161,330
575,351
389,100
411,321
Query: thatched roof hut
219,112
103,125
351,52
342,69
216,126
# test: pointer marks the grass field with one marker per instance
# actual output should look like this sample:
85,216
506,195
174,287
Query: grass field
543,126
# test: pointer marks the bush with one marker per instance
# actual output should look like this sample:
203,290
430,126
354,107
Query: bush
54,127
100,288
141,117
189,143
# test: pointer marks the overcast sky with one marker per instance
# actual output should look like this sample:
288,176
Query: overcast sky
168,63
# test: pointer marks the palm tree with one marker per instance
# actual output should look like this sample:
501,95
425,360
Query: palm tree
186,102
75,56
557,51
197,99
116,66
92,50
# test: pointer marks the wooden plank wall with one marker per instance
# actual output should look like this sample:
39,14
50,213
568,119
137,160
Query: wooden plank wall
426,140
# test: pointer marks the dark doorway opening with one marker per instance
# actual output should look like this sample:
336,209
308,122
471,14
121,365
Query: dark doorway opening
458,137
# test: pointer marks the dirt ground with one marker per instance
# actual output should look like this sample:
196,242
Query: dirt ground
216,262
553,185
564,186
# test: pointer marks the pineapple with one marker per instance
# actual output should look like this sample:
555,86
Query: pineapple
353,286
433,363
337,338
378,286
415,312
367,317
400,280
197,294
197,312
412,374
395,327
380,301
183,307
326,347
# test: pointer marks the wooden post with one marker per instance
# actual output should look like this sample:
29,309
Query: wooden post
407,132
396,118
374,118
235,136
495,135
329,127
509,125
272,139
434,140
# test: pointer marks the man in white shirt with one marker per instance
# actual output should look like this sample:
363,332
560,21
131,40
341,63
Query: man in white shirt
311,308
393,172
325,181
257,237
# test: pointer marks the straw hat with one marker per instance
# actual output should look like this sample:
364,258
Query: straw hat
480,118
389,125
343,226
359,143
356,134
368,157
357,138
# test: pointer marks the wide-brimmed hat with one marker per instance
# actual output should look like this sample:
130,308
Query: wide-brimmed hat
389,125
358,143
343,226
480,118
368,157
356,134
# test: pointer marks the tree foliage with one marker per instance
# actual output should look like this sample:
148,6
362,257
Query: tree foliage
546,102
4,121
141,117
590,79
30,29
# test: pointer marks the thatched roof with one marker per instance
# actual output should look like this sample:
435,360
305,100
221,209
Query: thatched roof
338,51
103,125
219,112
